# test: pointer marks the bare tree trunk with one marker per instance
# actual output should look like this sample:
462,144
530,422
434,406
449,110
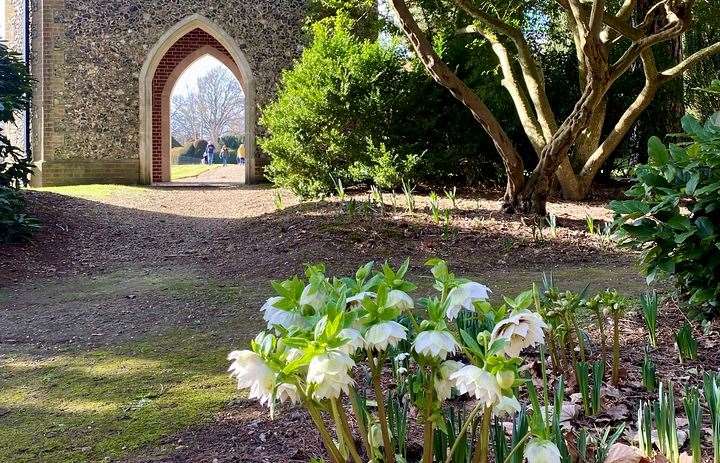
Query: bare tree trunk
442,74
537,188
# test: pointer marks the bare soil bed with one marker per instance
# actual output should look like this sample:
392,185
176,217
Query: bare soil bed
128,263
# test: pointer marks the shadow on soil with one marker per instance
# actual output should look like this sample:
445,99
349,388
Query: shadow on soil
91,364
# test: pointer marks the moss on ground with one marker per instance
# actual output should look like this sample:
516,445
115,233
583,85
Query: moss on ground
181,283
110,402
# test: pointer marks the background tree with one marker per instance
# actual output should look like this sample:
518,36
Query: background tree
607,43
215,109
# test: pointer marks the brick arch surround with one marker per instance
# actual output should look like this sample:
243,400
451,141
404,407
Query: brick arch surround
178,54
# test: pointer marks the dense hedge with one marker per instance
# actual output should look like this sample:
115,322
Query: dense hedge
362,111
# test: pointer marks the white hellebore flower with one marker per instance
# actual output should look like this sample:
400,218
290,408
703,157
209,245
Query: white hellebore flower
287,393
274,316
464,296
507,406
521,329
399,299
542,451
477,382
252,373
355,341
443,384
293,354
329,371
359,297
435,344
379,336
313,297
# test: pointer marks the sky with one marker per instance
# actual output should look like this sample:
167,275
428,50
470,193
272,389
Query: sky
188,80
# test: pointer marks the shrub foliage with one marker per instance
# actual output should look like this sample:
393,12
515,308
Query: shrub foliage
673,214
15,165
331,119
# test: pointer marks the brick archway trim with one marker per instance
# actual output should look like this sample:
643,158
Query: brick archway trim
174,52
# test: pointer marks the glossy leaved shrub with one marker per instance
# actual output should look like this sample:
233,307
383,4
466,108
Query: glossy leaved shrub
673,214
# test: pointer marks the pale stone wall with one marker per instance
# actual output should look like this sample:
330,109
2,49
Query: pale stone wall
90,52
14,30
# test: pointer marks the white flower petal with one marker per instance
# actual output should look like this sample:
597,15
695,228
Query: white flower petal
522,329
542,451
435,344
275,316
252,373
507,406
479,383
355,341
463,297
379,336
443,383
287,393
313,297
399,299
330,373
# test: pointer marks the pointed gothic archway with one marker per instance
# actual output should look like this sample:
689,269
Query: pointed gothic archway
179,47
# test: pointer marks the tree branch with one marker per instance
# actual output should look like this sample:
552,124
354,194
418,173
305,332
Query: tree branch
688,62
674,28
442,74
531,72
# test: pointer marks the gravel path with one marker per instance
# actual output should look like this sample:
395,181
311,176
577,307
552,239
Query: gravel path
142,260
232,173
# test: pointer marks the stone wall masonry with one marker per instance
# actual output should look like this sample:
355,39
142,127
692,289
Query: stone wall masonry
83,172
94,50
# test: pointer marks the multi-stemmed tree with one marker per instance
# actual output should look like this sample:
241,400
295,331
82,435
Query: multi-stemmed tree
609,39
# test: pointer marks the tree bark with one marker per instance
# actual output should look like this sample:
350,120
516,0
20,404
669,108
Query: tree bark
442,74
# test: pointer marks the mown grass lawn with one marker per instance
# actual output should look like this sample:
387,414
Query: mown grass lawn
109,402
94,191
180,171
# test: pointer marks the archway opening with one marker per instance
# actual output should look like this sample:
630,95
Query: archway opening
193,40
207,125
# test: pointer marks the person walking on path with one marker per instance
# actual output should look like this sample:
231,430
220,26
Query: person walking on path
210,151
241,154
224,155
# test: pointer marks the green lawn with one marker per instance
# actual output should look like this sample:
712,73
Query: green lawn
94,191
179,171
110,402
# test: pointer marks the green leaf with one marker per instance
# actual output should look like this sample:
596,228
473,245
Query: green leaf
657,152
470,342
692,184
705,227
694,128
632,208
300,362
707,189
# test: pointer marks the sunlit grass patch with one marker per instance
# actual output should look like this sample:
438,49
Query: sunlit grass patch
109,402
94,191
179,171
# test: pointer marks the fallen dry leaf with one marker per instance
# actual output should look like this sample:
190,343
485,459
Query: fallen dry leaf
617,412
621,453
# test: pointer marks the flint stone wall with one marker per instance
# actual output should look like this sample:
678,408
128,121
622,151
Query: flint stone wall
92,52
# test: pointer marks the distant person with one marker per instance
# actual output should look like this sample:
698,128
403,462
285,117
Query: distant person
210,152
224,155
241,155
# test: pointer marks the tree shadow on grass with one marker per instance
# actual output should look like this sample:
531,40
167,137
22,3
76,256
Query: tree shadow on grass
100,272
143,273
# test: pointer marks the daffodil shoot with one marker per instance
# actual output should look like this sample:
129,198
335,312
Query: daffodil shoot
334,344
